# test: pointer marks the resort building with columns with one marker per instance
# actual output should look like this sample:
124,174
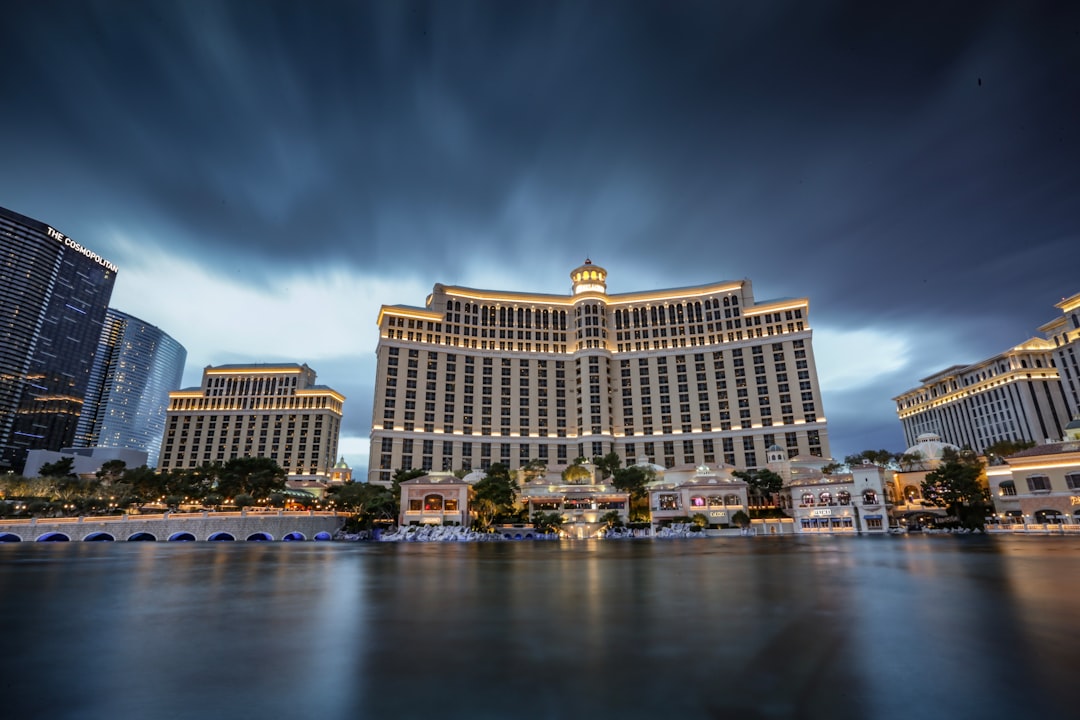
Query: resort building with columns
1015,395
683,376
1064,333
273,411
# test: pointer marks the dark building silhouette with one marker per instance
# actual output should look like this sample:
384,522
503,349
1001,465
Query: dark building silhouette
53,297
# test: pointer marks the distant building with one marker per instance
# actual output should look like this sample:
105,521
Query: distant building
341,472
679,493
1040,485
905,489
136,367
274,411
854,501
1016,395
1064,333
581,498
703,374
850,502
435,499
53,297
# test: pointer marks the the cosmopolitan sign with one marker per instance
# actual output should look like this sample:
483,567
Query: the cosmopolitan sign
61,237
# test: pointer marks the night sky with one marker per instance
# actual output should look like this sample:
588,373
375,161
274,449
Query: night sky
266,174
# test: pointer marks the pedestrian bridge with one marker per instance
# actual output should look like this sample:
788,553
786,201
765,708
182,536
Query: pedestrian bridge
178,527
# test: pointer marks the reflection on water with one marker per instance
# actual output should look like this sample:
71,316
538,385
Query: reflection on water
737,627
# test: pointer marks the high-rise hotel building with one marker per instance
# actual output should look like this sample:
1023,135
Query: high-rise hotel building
690,375
136,366
1064,333
1015,395
53,297
273,411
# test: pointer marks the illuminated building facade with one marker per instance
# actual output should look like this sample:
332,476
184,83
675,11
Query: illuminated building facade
274,411
135,368
1064,333
691,375
1041,485
53,298
1015,395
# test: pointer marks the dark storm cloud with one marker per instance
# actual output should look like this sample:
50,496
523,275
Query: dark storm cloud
902,166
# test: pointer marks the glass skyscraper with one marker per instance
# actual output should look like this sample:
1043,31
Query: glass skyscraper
53,297
136,367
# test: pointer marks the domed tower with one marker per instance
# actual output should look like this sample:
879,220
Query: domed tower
776,459
589,278
927,452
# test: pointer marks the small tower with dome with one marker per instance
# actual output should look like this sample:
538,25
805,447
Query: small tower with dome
589,278
341,472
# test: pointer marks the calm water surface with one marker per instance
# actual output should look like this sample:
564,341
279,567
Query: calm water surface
745,628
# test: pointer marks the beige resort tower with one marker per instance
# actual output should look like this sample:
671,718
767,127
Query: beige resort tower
689,375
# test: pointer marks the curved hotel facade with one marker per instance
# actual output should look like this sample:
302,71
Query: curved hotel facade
684,376
136,367
53,298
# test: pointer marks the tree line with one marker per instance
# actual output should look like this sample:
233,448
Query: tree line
116,488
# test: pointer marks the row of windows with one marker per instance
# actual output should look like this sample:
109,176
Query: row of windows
843,497
1039,484
692,451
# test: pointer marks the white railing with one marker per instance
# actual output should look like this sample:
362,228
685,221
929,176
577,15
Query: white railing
167,516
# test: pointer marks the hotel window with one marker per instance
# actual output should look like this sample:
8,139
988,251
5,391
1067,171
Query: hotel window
869,497
1008,488
1038,483
1072,481
667,502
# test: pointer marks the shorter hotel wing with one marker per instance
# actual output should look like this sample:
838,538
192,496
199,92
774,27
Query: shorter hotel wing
683,376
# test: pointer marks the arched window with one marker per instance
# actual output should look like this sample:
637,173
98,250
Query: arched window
1043,517
716,501
808,499
843,497
911,493
732,500
1007,488
697,501
869,497
433,503
825,497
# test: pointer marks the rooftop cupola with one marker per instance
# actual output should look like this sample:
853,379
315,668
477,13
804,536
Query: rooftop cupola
589,278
